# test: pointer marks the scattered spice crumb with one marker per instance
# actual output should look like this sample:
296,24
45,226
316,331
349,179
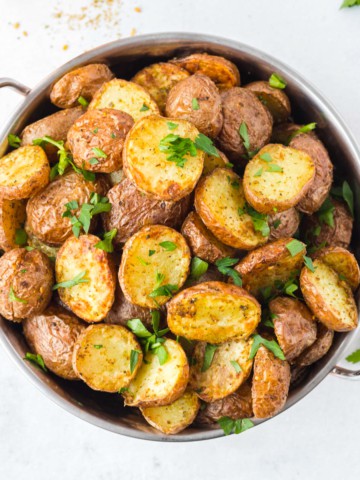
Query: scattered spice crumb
16,25
133,32
65,47
137,9
25,33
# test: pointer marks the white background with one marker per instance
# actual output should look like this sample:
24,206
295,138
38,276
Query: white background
319,437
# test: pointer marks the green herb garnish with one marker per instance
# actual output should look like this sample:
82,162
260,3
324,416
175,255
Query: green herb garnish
276,81
198,267
98,346
354,357
83,102
168,246
14,298
234,426
304,129
309,263
20,236
202,142
271,345
236,366
295,247
350,3
172,125
106,242
79,278
195,104
224,266
176,148
134,358
208,356
13,140
36,360
144,108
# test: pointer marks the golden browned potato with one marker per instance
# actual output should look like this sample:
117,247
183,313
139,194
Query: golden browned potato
158,79
240,106
91,274
230,367
107,357
277,178
274,99
211,162
197,100
97,138
127,97
284,224
213,312
147,164
23,172
222,72
26,280
318,349
202,242
154,265
343,262
270,384
156,385
268,265
173,418
12,217
82,82
55,126
45,209
52,334
220,203
294,326
132,209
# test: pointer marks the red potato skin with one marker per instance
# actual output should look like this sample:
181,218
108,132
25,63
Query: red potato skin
318,349
289,223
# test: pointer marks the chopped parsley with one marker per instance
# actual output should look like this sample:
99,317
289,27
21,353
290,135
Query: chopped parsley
83,102
172,125
168,246
244,135
346,193
79,278
13,140
350,3
99,153
195,104
198,267
208,356
295,247
276,81
354,357
236,366
14,298
98,346
234,426
144,108
259,220
176,148
134,358
271,345
20,236
106,243
304,129
326,213
224,266
309,263
36,360
151,253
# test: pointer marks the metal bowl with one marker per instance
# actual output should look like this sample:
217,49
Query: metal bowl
126,57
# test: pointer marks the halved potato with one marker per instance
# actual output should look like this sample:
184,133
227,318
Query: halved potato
274,99
23,172
149,168
12,217
220,202
222,72
101,357
328,297
92,299
318,349
156,256
277,178
157,385
173,418
125,96
211,162
269,264
213,312
229,369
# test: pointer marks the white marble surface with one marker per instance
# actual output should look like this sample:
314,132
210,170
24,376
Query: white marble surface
319,437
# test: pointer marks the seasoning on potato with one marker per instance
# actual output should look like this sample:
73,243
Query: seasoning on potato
12,217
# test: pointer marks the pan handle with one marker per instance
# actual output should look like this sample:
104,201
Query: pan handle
346,373
14,84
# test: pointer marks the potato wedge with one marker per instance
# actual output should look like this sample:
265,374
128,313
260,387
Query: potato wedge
328,297
268,265
147,166
284,224
92,299
230,367
343,262
156,256
318,349
274,99
102,357
12,217
213,312
270,385
173,418
211,162
158,79
222,72
278,178
219,199
23,172
125,96
156,385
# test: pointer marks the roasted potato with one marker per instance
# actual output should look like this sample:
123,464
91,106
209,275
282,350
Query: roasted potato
115,177
132,209
202,242
156,385
82,82
97,138
318,349
102,357
158,79
270,384
297,376
197,100
127,97
12,217
277,178
328,297
274,99
45,209
283,133
148,166
222,72
213,312
34,242
294,326
343,262
212,274
211,162
23,172
268,265
26,280
156,256
92,296
283,224
55,126
173,418
52,334
240,106
229,369
219,199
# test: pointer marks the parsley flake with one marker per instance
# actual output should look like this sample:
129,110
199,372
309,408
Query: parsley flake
224,266
271,345
20,236
276,81
79,278
13,140
106,243
36,360
144,108
354,357
14,298
195,104
198,267
236,366
208,356
234,426
168,246
134,358
83,102
295,247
